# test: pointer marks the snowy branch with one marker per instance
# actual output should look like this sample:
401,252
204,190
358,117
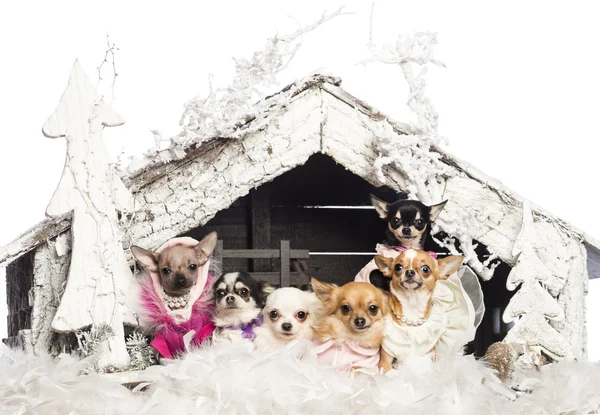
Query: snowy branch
226,111
412,153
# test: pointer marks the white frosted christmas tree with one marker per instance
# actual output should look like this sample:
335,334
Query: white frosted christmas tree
534,304
90,188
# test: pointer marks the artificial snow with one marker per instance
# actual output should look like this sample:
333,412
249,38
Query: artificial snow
230,379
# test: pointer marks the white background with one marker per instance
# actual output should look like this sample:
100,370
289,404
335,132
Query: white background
519,97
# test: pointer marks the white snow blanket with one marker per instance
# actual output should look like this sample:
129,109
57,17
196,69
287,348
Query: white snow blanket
229,379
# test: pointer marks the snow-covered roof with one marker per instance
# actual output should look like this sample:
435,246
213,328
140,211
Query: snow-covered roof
336,106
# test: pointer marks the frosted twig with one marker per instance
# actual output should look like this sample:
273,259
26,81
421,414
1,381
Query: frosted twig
111,51
226,111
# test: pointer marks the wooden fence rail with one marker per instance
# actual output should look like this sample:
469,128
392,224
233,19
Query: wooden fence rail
283,278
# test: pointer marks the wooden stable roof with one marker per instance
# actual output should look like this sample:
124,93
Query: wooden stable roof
337,125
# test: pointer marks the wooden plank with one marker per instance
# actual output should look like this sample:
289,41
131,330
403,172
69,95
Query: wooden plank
218,254
285,264
296,278
261,225
265,253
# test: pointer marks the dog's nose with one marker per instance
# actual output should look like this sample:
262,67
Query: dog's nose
360,322
230,299
406,231
410,273
286,326
180,281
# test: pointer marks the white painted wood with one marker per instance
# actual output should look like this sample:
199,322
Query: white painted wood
99,274
50,271
531,294
533,330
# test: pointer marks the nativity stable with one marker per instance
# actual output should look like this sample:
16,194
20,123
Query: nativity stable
288,194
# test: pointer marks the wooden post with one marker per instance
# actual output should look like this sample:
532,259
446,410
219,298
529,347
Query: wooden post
218,254
285,264
261,227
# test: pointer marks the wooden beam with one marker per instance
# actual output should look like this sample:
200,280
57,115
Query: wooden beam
296,278
261,226
218,254
285,264
264,253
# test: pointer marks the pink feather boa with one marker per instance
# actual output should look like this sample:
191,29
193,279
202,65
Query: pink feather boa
169,326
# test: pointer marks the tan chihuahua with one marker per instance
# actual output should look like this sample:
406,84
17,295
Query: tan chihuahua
414,275
177,266
350,330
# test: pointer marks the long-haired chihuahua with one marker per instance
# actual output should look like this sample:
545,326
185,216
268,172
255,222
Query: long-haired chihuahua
349,331
414,276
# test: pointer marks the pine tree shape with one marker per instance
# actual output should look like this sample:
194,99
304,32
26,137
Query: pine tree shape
531,294
529,265
534,302
533,330
90,188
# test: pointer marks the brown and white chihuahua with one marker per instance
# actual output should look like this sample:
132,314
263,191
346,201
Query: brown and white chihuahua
349,331
414,275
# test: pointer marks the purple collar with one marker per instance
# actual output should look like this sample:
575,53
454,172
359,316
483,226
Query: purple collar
402,249
248,328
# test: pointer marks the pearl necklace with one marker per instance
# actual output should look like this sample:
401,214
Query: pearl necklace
409,322
174,302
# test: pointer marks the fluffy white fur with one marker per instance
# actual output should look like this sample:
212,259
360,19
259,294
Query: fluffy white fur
230,379
287,301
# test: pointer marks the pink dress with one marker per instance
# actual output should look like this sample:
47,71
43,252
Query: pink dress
346,354
170,326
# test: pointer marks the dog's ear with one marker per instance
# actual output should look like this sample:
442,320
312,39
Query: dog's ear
265,289
384,264
145,257
435,210
448,266
380,206
322,290
205,248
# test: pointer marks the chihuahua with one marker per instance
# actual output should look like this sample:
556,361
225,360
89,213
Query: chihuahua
175,298
239,299
289,315
349,332
414,276
409,221
408,227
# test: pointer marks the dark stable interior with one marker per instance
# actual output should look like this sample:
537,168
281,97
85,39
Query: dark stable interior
324,208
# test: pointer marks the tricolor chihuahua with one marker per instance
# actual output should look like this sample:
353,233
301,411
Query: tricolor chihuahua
239,300
413,275
409,221
409,226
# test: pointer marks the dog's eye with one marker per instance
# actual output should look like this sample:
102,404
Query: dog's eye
398,267
345,309
165,271
301,315
373,309
419,222
193,267
221,293
273,314
425,269
395,221
244,292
